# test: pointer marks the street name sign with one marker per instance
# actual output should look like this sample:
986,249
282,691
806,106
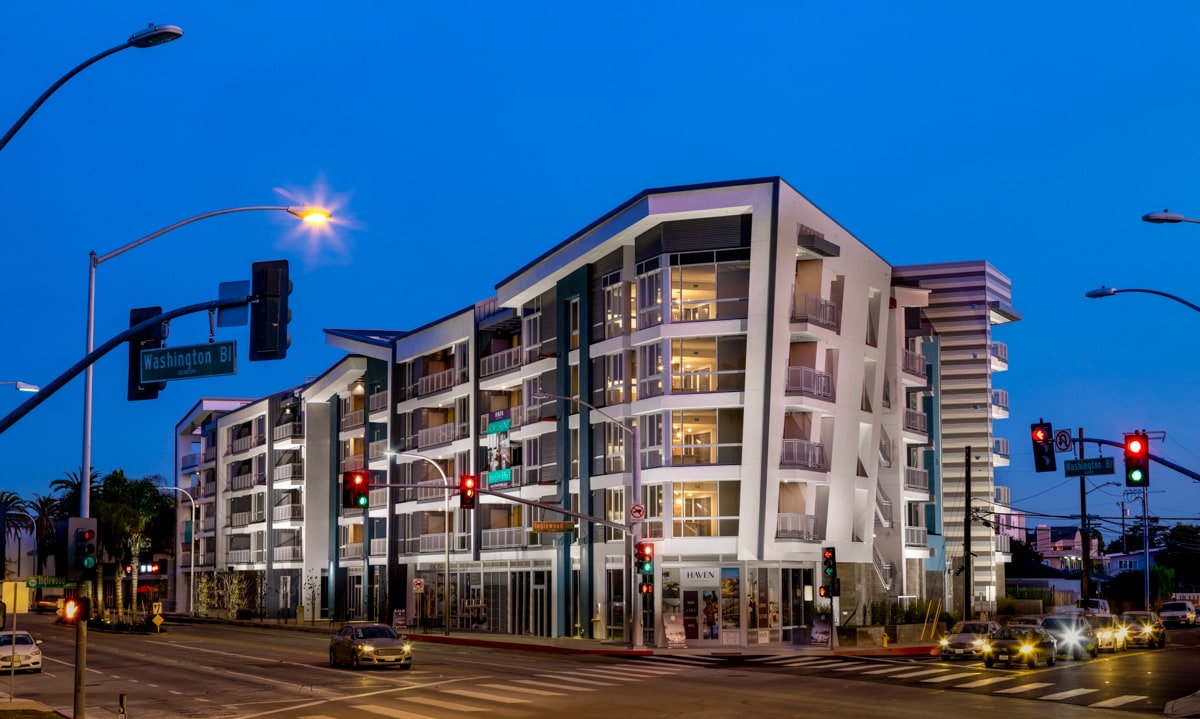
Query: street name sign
553,526
188,361
1088,467
45,582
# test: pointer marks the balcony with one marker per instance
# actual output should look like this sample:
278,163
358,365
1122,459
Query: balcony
350,551
206,559
377,449
916,537
436,542
516,418
504,538
507,477
290,472
796,526
916,421
289,553
291,430
802,454
210,453
379,546
998,356
810,382
239,556
246,481
239,519
437,435
916,479
352,462
500,362
999,404
814,310
913,369
353,420
377,401
245,444
436,382
287,512
378,497
189,460
1003,543
1000,452
208,524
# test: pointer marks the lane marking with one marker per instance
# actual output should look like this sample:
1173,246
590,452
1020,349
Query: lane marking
1066,695
1024,688
486,696
536,683
889,670
441,704
389,712
951,677
573,680
1117,701
984,682
923,672
524,690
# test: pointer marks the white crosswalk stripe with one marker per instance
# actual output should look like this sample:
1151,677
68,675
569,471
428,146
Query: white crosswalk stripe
1024,688
889,670
1066,695
951,677
524,690
852,666
984,682
823,665
1117,701
487,696
577,680
681,661
544,684
922,673
441,704
617,673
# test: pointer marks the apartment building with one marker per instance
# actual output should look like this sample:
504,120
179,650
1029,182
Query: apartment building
789,390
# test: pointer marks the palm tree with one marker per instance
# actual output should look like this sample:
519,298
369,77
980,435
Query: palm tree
70,489
46,513
16,521
127,510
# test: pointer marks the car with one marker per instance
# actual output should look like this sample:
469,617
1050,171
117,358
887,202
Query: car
1144,629
1110,632
1020,644
1073,634
362,644
19,651
1180,612
1032,620
965,639
49,604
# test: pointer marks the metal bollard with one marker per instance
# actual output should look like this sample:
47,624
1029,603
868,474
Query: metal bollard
121,705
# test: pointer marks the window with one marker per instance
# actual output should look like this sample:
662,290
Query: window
652,500
707,364
649,294
651,428
614,379
649,370
573,319
706,509
703,288
614,511
706,436
615,305
531,333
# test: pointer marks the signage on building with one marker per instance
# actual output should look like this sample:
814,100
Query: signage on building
188,362
699,577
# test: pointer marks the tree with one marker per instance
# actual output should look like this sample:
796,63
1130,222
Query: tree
14,521
1181,552
69,490
46,512
126,510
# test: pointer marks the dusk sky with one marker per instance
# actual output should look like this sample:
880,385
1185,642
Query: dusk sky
456,142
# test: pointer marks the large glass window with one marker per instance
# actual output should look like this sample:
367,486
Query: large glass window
708,290
706,509
616,305
706,436
614,511
708,364
650,370
649,294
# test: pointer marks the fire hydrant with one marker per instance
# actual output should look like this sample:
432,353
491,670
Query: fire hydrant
885,640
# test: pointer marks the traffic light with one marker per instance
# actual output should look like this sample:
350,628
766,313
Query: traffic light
1042,435
269,312
356,493
1137,460
468,484
150,339
81,551
824,591
73,610
646,588
829,579
644,557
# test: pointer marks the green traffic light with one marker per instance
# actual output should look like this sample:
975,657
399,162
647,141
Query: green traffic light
1135,475
89,562
362,501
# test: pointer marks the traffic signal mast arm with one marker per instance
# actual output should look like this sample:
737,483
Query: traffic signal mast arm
1164,462
58,382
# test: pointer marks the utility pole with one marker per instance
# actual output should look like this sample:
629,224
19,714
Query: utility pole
967,538
1087,537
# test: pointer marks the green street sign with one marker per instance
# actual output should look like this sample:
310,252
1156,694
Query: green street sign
1088,467
44,582
188,362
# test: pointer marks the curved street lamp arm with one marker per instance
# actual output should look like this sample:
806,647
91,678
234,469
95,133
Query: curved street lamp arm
50,91
1169,296
181,223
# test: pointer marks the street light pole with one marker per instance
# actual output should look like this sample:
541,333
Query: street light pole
149,37
1110,291
312,215
23,386
634,536
191,549
446,527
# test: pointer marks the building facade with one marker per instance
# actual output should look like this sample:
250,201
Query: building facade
786,388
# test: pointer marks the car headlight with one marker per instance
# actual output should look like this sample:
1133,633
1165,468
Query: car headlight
407,647
1106,634
366,648
985,646
1073,638
944,642
977,643
1026,649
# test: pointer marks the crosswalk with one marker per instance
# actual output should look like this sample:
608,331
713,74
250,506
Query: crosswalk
484,696
950,678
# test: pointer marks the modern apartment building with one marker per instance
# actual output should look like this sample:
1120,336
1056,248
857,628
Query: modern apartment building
789,390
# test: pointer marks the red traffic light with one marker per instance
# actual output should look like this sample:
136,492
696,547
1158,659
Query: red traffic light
1039,434
827,553
1135,445
823,591
467,490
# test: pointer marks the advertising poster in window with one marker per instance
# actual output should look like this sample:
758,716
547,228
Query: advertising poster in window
731,598
499,469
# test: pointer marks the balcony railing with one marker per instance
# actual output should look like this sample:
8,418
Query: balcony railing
239,556
350,551
796,526
916,421
500,362
288,472
916,478
883,506
436,542
913,363
916,536
885,570
378,497
206,559
435,382
804,454
246,481
208,524
504,537
432,436
378,401
352,462
999,350
239,519
290,430
1000,446
810,382
210,453
242,444
1000,398
516,418
379,547
289,553
814,309
287,512
189,460
1003,543
377,449
354,420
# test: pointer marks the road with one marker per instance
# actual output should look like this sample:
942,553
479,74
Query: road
208,671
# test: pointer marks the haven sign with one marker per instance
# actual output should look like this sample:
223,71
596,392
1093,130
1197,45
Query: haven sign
188,362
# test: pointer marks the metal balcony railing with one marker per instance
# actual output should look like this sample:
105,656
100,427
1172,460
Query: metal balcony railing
516,417
440,434
239,519
916,478
504,537
290,430
435,382
804,454
289,553
913,363
354,420
999,350
1000,398
796,526
352,462
916,536
377,449
189,460
210,453
378,497
815,310
500,362
378,546
1000,446
239,556
883,506
915,421
886,571
810,382
242,444
246,481
378,401
287,512
288,472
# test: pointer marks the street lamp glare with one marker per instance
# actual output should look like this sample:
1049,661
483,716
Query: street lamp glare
1101,292
155,35
311,215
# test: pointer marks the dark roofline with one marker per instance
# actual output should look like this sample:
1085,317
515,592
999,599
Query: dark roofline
371,337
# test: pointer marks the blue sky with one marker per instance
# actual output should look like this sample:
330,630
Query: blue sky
458,142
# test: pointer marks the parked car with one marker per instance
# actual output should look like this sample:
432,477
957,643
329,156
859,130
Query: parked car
24,656
965,639
49,604
1020,644
1144,628
1110,632
1073,634
1180,612
362,644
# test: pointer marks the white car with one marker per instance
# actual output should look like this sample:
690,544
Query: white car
24,656
1178,612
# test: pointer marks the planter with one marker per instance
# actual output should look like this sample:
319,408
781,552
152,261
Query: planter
860,636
